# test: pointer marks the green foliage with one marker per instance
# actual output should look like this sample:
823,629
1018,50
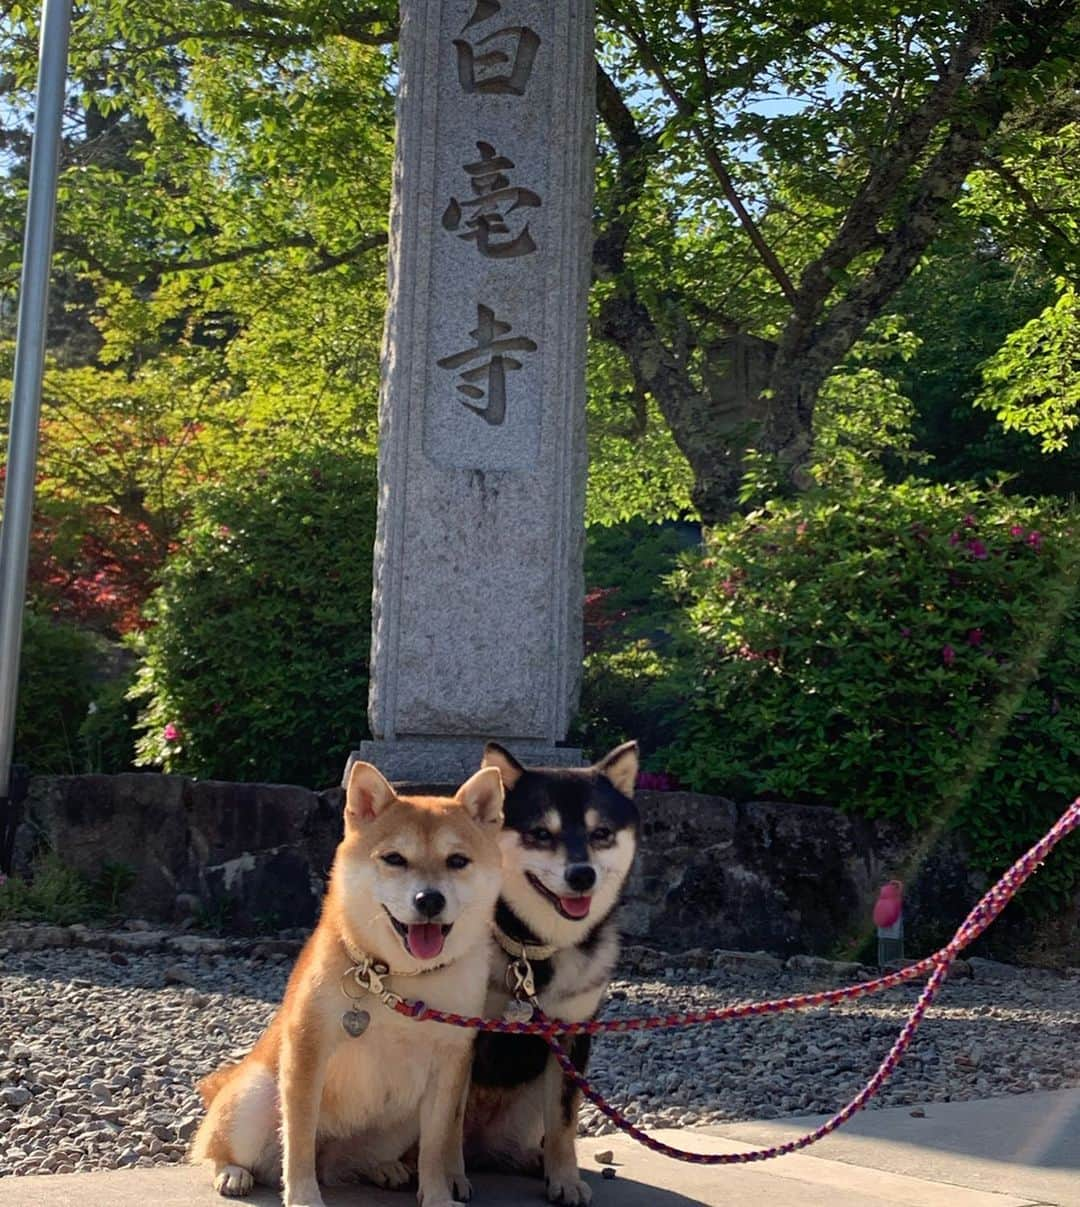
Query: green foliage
636,470
57,894
1032,383
630,686
908,651
631,690
863,416
107,733
256,663
53,893
56,687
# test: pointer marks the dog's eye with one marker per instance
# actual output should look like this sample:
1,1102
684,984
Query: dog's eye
395,860
600,834
540,835
456,862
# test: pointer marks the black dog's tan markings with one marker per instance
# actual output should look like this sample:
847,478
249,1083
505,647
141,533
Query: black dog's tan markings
568,835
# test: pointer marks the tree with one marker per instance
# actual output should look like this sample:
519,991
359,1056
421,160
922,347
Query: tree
809,214
770,176
220,228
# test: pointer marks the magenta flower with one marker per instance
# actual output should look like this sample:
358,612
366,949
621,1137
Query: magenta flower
954,538
975,637
905,631
969,521
1035,540
1016,531
224,530
657,781
977,550
170,733
948,655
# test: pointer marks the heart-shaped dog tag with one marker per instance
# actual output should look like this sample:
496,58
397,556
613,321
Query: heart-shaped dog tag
355,1022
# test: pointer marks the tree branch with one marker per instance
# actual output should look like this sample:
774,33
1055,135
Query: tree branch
859,230
713,158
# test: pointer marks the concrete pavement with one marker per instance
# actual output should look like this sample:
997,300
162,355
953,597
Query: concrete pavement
1021,1151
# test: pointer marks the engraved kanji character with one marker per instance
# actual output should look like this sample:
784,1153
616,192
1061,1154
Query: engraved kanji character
490,350
493,193
500,62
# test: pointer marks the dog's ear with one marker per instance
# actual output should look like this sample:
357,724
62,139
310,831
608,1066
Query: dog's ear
621,767
509,768
366,795
482,795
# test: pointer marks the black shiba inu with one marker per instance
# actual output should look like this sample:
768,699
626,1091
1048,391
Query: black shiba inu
568,843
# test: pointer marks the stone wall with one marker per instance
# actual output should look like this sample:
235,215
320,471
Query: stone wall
252,858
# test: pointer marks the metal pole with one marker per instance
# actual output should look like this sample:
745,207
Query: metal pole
29,362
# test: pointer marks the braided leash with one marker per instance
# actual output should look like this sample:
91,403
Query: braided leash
935,966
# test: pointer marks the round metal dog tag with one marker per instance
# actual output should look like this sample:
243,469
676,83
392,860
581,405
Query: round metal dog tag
517,1011
355,1022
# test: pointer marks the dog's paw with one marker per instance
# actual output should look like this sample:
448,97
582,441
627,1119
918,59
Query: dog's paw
303,1198
233,1181
460,1187
568,1189
390,1175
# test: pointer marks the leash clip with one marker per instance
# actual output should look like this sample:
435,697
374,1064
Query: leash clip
519,979
368,975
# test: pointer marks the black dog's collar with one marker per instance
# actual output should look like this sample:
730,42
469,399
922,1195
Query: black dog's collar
520,949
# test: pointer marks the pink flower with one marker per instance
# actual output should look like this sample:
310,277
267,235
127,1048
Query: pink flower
657,781
977,550
1035,540
948,655
170,733
1016,530
975,637
954,538
969,521
224,530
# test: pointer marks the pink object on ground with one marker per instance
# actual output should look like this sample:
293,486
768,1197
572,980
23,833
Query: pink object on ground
890,904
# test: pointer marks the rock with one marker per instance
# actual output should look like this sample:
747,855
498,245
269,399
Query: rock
604,1158
607,1172
917,1113
176,974
196,945
276,947
118,958
140,941
817,966
758,961
15,1095
993,970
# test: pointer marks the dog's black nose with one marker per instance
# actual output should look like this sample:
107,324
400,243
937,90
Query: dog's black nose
580,876
429,902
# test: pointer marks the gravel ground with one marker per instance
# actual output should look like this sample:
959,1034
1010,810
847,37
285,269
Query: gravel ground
99,1054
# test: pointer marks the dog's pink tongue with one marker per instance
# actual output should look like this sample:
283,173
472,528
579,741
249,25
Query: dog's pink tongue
576,907
425,939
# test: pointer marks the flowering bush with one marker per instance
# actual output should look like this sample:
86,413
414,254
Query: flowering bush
256,664
907,651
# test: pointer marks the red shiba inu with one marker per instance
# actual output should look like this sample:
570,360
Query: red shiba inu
338,1085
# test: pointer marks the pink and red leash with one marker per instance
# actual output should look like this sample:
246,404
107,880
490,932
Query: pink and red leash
936,966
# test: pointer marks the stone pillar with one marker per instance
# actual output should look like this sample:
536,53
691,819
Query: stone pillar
478,581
